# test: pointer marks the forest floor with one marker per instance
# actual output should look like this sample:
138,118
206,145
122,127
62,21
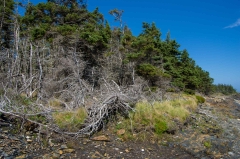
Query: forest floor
213,131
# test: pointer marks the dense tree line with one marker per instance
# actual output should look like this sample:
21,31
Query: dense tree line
59,48
224,89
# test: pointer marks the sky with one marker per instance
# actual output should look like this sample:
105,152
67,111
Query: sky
208,29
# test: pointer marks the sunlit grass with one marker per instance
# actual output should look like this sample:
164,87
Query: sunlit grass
158,117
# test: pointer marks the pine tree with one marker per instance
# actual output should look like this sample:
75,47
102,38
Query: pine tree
6,22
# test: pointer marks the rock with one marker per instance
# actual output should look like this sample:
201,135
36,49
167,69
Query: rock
64,147
21,157
101,138
230,153
121,132
46,156
60,152
105,155
28,137
55,156
50,143
68,150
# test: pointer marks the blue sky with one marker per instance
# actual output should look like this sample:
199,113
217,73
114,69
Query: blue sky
208,29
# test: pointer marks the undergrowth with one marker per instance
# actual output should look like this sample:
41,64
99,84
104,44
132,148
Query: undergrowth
70,120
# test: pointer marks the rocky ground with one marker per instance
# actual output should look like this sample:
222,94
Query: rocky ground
213,131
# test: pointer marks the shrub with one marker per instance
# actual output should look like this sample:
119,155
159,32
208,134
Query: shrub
200,99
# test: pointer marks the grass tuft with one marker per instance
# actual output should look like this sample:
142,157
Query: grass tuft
200,99
70,120
157,117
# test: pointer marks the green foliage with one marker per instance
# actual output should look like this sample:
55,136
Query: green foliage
160,126
66,29
38,33
224,89
148,70
7,18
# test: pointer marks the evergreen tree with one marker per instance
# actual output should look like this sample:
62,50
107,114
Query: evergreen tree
6,22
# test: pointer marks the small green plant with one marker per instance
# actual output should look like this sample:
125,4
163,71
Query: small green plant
207,144
200,99
160,126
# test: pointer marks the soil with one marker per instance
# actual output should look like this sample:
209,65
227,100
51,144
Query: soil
213,131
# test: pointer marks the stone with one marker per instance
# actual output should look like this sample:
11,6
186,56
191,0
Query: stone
68,150
101,138
21,157
55,156
121,132
50,143
231,153
64,147
46,156
28,137
60,152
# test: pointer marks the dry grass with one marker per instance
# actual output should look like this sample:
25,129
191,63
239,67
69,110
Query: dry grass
54,103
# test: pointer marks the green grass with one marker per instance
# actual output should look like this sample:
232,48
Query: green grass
157,117
70,120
